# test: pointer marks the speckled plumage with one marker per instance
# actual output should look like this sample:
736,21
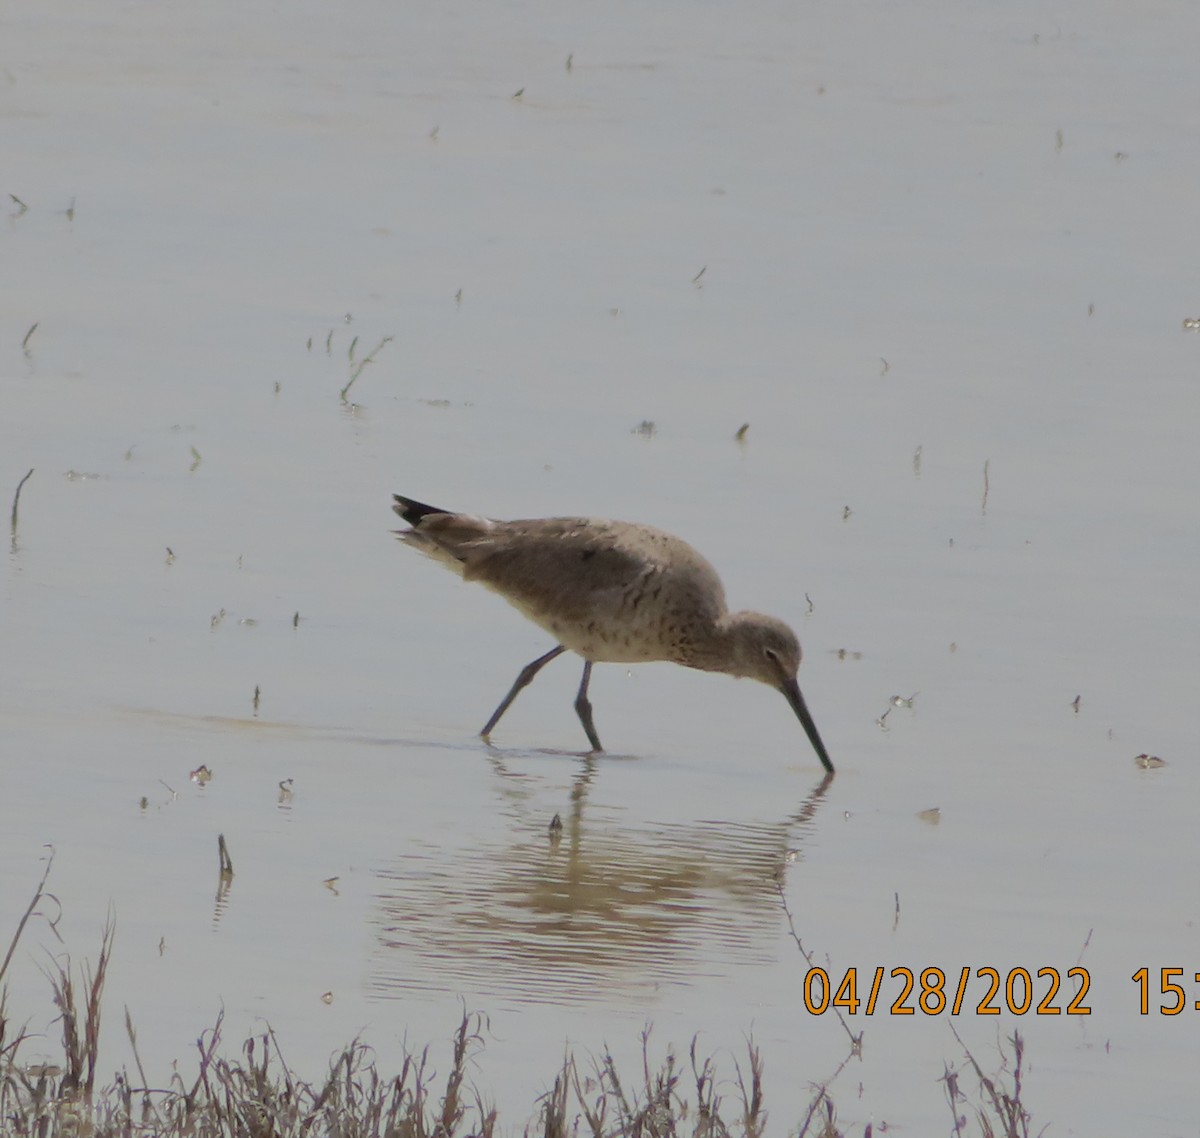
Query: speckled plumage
612,592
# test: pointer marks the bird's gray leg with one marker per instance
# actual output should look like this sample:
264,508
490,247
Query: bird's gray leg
584,709
527,674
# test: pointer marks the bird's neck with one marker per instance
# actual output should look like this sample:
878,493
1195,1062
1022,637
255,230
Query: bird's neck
713,649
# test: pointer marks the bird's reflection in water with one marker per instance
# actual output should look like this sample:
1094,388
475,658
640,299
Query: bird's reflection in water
580,910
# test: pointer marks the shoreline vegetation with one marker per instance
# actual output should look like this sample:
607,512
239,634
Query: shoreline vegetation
253,1093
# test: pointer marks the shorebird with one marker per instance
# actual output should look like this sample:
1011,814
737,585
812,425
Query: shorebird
614,593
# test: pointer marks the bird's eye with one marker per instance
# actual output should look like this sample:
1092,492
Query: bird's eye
771,654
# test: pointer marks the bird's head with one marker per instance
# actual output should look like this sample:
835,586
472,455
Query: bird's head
766,649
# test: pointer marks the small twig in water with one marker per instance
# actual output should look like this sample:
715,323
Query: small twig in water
363,363
1087,940
28,336
855,1040
226,860
17,499
986,464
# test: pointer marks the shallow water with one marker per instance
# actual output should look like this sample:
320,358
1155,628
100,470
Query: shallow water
946,261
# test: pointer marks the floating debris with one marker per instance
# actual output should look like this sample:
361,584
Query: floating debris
1149,762
895,701
201,776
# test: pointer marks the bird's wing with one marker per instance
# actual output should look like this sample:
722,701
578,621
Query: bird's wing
583,569
569,567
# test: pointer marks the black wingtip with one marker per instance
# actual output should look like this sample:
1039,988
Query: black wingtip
413,511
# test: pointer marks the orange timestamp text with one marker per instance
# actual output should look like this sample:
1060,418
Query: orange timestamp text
904,991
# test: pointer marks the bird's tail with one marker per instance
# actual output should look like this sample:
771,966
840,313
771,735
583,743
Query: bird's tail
445,536
413,511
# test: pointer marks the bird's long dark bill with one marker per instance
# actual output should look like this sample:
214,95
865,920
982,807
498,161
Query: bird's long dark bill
791,691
